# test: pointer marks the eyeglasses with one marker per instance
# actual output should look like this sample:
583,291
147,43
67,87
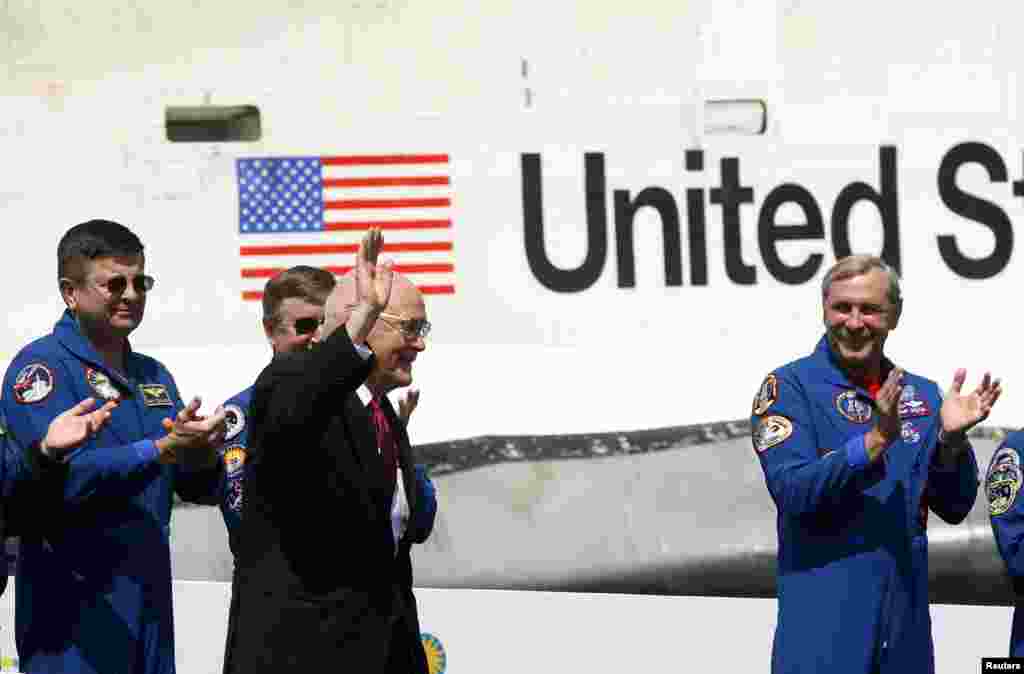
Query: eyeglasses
116,285
411,328
307,326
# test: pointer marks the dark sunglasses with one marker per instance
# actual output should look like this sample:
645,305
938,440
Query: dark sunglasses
306,326
118,284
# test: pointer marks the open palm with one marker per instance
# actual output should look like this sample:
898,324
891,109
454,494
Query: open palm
961,411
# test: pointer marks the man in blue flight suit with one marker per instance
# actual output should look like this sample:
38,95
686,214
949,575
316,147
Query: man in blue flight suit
94,577
1006,512
25,469
293,308
854,452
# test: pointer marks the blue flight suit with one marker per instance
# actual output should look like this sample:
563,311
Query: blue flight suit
231,489
1006,512
18,473
94,577
853,550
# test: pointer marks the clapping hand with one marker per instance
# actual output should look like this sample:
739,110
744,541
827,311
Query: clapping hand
192,439
407,405
74,426
961,411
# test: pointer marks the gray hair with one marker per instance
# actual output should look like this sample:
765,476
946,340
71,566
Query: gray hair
858,265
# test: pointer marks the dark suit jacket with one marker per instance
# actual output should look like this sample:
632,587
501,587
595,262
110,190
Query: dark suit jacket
318,581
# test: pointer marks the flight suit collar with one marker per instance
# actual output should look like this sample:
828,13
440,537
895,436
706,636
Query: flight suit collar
69,334
826,360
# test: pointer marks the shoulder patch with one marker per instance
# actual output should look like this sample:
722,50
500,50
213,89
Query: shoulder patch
853,408
33,384
101,384
766,395
1002,483
234,459
235,420
771,431
234,469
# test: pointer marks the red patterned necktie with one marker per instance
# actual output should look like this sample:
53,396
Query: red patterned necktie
386,442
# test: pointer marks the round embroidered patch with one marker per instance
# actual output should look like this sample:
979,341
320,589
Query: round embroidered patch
853,408
235,421
437,659
33,383
766,395
771,431
1002,483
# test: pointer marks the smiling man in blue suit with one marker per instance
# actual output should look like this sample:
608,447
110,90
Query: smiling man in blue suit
855,452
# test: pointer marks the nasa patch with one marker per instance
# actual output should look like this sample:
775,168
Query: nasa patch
33,383
155,395
101,384
910,405
852,407
771,431
1002,483
235,419
766,395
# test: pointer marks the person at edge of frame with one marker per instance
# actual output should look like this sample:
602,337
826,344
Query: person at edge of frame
24,470
1003,481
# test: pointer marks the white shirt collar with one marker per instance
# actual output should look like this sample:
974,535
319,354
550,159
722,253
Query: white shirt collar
365,396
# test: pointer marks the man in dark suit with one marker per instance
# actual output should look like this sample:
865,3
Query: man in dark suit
324,575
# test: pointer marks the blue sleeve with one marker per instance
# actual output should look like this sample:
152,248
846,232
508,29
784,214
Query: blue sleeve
421,522
803,477
1003,482
952,491
89,470
230,488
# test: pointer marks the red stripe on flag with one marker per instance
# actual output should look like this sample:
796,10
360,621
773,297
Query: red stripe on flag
437,290
403,181
349,204
335,249
256,295
435,268
378,160
386,225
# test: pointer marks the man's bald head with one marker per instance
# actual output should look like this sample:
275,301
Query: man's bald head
404,294
394,347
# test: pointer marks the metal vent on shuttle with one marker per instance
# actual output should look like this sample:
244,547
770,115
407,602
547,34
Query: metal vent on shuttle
212,123
736,117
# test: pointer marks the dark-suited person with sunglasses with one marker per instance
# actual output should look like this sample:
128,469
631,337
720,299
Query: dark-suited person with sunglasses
94,580
293,309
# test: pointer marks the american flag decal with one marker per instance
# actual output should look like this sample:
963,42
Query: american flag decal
314,211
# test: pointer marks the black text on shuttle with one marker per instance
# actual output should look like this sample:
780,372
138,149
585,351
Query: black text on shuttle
729,195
